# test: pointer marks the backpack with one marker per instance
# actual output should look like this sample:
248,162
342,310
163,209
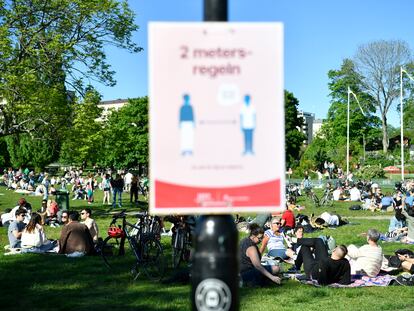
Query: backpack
329,241
355,208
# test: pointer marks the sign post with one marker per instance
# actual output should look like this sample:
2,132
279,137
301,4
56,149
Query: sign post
216,136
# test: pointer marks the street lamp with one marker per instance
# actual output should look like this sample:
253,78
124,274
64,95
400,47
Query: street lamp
401,114
347,127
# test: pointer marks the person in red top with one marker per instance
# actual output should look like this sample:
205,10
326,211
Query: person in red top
288,218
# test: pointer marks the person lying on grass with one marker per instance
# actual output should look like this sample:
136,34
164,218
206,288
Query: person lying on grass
319,266
252,272
366,260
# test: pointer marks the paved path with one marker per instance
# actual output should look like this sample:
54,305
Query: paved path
380,217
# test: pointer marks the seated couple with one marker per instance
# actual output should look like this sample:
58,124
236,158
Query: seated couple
75,237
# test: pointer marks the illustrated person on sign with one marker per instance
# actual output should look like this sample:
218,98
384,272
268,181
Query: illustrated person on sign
187,126
248,124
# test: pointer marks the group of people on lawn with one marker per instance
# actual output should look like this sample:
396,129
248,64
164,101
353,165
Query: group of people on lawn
311,253
27,235
320,263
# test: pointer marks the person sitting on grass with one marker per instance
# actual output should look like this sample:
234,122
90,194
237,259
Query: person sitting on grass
288,217
75,237
10,216
252,272
34,238
274,241
319,266
86,214
366,260
16,228
64,218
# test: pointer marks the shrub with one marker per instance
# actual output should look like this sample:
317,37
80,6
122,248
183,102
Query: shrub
370,172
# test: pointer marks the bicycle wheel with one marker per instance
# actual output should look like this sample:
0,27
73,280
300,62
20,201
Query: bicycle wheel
117,260
177,243
315,199
152,258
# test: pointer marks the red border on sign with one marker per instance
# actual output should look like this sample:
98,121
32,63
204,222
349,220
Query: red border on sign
169,195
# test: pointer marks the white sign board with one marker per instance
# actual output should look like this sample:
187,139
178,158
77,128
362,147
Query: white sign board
216,118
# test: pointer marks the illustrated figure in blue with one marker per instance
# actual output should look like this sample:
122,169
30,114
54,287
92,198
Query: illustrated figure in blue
248,124
187,126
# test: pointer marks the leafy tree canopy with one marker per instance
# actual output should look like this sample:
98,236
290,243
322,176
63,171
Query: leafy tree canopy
48,46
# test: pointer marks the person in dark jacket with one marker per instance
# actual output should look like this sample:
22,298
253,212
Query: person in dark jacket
117,185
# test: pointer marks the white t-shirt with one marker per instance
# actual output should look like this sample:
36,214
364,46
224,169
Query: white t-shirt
355,194
336,194
330,220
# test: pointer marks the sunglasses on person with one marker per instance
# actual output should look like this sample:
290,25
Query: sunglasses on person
83,213
276,223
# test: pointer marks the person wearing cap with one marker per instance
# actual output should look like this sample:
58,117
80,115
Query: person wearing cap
16,228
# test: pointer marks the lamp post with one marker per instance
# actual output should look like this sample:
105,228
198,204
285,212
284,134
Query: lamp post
347,127
401,115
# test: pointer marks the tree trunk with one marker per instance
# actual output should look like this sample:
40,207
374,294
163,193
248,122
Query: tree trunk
385,142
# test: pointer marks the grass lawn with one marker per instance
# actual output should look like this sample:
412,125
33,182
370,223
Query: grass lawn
55,282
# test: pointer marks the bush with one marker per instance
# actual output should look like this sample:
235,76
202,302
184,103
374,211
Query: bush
370,172
379,159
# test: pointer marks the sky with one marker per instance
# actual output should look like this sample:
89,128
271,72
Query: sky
319,35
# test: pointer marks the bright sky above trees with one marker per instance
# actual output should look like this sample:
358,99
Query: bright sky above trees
319,34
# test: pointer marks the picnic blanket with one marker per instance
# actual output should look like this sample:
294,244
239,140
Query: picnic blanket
365,281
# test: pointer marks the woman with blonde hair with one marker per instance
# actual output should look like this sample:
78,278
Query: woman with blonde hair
274,241
34,238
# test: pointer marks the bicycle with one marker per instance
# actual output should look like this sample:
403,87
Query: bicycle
181,240
143,251
327,198
311,195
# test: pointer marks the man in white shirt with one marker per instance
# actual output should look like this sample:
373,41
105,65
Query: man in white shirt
366,260
355,194
337,193
128,180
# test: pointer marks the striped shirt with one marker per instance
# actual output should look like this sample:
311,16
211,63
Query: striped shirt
275,240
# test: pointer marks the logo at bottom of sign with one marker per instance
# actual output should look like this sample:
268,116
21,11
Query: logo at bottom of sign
213,294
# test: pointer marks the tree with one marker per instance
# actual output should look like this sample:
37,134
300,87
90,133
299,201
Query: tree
48,46
293,137
84,139
379,64
126,136
361,126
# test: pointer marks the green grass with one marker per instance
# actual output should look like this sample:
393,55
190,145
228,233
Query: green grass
42,282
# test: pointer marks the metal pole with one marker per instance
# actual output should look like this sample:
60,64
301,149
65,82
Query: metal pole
347,136
215,269
402,125
215,10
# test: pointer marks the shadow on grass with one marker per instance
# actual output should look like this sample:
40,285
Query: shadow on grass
34,282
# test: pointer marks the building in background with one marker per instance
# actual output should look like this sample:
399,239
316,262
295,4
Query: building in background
307,127
316,127
110,105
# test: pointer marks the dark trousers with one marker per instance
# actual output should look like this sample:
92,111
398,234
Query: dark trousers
311,251
133,193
